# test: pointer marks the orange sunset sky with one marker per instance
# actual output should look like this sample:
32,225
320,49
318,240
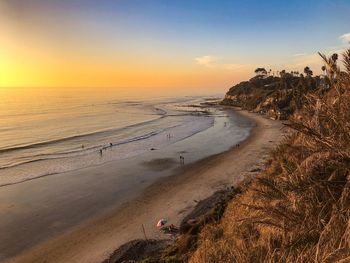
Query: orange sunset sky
160,44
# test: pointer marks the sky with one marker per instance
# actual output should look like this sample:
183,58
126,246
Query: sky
162,44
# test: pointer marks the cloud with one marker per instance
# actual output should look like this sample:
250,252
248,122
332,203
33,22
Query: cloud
299,54
215,62
345,38
207,61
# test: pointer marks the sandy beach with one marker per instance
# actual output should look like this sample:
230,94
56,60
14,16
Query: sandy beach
171,197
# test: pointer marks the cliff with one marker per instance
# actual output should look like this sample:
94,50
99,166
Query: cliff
278,97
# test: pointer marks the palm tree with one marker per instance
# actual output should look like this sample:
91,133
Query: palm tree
334,57
308,71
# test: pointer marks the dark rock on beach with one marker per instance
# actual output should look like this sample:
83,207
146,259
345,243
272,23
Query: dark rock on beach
137,250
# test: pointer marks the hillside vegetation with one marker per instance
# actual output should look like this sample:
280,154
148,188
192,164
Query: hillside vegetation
298,209
279,97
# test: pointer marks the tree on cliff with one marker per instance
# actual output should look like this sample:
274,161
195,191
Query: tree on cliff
308,71
261,72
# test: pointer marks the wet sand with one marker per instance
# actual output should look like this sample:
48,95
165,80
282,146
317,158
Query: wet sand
171,197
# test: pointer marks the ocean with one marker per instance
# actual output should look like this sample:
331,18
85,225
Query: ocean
44,132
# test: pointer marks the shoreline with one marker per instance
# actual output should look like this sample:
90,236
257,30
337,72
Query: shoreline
172,197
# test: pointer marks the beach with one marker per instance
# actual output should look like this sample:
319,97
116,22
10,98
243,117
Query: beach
172,197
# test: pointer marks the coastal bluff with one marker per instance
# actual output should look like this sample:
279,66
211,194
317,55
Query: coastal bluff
277,97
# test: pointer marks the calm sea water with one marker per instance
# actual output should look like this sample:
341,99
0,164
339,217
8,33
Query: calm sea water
52,131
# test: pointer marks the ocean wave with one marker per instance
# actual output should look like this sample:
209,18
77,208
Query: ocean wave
74,137
55,156
25,162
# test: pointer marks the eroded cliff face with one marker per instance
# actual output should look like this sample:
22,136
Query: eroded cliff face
278,97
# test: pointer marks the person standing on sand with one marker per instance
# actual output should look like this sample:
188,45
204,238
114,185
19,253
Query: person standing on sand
182,160
101,152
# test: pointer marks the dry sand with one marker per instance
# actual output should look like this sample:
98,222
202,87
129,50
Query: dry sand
171,197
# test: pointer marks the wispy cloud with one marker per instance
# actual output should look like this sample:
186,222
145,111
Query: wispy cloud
299,55
207,61
345,38
216,62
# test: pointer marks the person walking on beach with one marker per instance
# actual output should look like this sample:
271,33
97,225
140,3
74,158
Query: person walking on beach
110,144
182,160
101,152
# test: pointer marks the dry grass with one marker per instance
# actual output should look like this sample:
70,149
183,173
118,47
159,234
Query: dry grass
298,209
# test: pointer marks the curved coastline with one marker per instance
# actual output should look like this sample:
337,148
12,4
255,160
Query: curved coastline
172,197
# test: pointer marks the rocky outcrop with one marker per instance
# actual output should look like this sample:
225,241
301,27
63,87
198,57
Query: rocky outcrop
278,97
